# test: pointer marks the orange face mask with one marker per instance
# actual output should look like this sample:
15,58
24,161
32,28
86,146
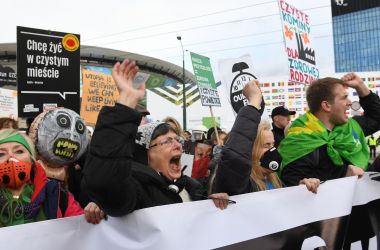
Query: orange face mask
14,173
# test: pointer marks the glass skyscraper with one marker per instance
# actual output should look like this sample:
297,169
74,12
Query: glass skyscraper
356,31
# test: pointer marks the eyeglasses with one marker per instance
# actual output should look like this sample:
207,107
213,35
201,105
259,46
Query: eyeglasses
169,141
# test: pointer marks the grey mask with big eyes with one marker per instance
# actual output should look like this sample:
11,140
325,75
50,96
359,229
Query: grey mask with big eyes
60,136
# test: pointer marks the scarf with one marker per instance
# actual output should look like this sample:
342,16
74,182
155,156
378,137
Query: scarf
29,206
22,210
344,142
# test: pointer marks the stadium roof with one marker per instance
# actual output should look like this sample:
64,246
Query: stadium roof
91,55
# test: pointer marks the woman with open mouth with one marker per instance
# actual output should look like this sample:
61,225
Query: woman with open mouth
131,167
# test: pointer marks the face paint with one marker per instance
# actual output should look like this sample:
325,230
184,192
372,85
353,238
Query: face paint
60,135
14,173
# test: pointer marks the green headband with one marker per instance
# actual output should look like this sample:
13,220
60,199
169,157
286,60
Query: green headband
20,139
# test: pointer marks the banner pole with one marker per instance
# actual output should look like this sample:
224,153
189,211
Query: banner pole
214,125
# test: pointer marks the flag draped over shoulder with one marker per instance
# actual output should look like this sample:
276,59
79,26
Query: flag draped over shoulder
344,142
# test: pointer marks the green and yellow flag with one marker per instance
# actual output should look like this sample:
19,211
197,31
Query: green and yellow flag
344,142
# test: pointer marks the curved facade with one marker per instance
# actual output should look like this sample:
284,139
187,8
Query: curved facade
95,56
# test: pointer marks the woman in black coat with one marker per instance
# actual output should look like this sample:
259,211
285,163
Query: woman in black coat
250,145
130,167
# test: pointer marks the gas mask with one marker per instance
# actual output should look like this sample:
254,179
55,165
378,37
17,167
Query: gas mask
14,173
271,160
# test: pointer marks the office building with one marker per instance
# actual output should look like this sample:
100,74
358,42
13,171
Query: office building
356,31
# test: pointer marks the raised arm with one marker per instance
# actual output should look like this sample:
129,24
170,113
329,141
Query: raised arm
370,102
123,74
107,174
233,175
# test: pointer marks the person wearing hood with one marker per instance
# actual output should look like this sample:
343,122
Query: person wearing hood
130,167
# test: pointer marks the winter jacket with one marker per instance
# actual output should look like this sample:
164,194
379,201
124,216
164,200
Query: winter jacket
318,164
234,171
278,134
115,175
47,200
59,202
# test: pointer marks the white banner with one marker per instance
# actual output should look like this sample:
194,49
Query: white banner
235,73
198,225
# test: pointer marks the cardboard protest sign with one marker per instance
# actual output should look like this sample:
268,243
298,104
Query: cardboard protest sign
299,48
8,103
99,89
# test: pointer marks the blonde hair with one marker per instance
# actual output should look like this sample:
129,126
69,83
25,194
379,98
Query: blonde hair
256,172
8,133
177,128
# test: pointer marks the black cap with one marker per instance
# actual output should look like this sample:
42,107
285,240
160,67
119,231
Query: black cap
281,110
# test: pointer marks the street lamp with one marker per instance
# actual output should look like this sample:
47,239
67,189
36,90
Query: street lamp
183,83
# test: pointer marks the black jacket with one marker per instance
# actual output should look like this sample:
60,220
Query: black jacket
318,164
234,170
278,134
113,180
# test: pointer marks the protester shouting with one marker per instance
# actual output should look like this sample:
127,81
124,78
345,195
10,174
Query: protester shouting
130,167
326,144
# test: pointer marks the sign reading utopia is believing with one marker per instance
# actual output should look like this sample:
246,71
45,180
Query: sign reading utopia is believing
48,70
301,55
205,80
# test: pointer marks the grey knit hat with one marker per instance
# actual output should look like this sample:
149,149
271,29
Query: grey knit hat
145,132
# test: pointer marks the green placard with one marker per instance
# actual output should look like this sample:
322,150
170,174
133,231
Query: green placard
207,121
205,80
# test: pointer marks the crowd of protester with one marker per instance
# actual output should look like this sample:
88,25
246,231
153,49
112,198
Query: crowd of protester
131,163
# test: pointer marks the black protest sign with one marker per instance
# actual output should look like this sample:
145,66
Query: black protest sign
342,7
48,70
7,77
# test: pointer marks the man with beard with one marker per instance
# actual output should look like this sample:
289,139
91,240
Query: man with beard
131,167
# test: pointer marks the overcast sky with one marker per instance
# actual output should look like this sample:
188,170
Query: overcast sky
217,29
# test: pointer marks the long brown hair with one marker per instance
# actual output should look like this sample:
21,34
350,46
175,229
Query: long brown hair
256,172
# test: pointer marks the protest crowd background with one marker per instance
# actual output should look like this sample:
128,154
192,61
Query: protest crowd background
89,133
